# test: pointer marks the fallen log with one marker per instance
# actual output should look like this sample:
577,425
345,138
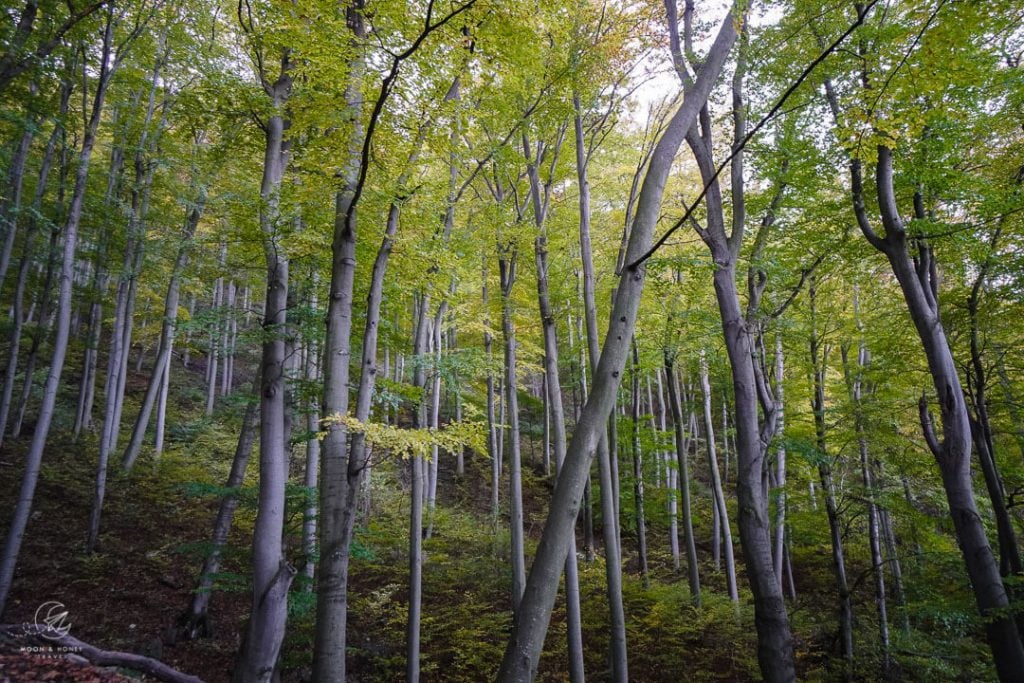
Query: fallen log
71,646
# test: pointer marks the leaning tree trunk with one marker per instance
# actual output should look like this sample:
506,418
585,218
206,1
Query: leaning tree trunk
555,410
530,627
918,280
18,315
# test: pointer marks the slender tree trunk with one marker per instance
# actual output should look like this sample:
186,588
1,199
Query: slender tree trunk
508,274
819,365
163,353
609,515
672,480
10,203
780,462
272,574
33,458
716,483
918,280
39,334
416,498
530,627
311,370
493,445
347,461
117,361
161,402
638,470
212,352
18,316
195,622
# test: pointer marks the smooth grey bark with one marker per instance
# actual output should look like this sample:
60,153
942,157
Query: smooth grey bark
492,428
109,62
272,575
672,483
981,428
855,387
41,330
311,372
717,491
28,248
780,461
918,281
10,202
554,409
195,622
775,642
531,621
213,347
638,469
507,272
434,413
416,500
609,515
163,354
161,403
819,367
338,488
117,361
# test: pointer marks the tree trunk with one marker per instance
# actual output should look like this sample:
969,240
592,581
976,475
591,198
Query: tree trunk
18,316
10,203
163,353
33,458
819,367
609,515
673,485
518,561
272,574
638,470
531,622
780,462
195,622
716,483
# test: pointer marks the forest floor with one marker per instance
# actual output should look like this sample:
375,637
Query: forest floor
157,523
128,594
